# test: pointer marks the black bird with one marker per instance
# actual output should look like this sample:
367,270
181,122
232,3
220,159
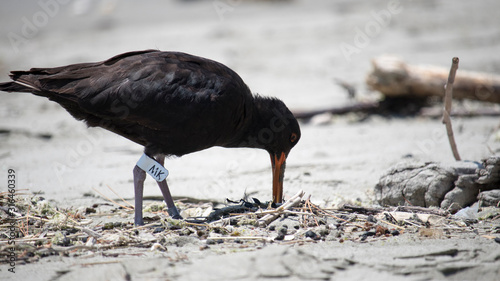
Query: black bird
173,104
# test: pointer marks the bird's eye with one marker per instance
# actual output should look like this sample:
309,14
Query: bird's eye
293,137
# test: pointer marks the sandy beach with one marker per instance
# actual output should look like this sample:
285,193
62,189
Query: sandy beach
293,50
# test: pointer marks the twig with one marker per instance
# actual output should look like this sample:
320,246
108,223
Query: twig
90,232
359,209
422,210
240,238
126,202
295,200
67,217
308,205
335,217
125,207
391,224
448,94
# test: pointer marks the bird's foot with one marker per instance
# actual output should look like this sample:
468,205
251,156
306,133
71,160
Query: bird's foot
174,213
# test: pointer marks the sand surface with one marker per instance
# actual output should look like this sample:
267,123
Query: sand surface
289,49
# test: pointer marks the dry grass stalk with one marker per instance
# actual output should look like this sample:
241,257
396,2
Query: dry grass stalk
113,201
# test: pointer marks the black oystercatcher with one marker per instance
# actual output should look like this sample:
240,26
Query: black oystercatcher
171,103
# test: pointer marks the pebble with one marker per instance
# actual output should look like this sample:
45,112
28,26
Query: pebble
158,229
371,218
311,234
280,237
366,234
323,230
283,230
108,225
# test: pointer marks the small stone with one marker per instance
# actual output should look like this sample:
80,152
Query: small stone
323,230
283,230
108,225
65,242
158,229
497,240
280,237
333,235
380,230
395,232
371,218
366,234
158,247
185,232
272,228
311,234
173,226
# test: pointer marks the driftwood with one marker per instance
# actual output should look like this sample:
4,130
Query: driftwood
438,112
366,107
393,77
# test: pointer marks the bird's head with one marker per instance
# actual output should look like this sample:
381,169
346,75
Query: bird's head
277,132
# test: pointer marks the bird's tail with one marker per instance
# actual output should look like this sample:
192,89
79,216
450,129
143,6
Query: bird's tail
15,87
21,83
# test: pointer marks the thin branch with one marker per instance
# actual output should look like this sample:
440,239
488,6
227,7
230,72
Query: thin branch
295,200
111,200
448,95
121,198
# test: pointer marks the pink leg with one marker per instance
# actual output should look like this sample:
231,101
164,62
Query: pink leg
139,178
172,210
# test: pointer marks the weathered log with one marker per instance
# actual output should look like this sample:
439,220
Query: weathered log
366,107
393,77
435,112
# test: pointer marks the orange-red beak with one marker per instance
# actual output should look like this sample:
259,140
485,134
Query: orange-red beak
278,164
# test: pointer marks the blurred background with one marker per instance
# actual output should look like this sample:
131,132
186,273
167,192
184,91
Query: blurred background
295,50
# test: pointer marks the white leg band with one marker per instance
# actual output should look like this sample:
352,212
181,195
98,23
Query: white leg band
153,168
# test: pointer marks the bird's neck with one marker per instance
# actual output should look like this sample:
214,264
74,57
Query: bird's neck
261,128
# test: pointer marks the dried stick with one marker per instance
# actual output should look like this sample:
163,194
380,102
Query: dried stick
241,238
448,94
121,198
111,200
295,200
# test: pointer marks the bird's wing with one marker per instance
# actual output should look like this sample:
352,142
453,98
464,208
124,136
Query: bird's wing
159,91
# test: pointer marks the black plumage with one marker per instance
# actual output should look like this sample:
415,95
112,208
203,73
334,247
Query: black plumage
171,103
